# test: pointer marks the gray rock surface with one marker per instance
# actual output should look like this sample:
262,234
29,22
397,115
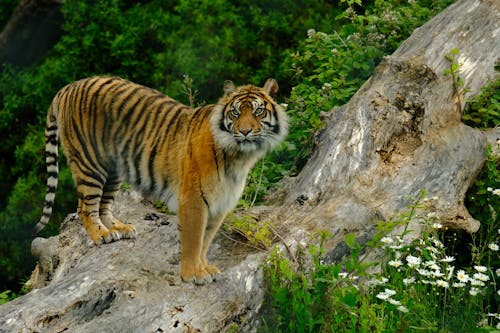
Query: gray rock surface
133,285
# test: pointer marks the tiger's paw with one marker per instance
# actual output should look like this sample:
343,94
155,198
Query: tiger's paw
118,229
100,234
200,276
96,230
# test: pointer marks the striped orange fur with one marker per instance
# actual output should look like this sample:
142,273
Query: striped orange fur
194,159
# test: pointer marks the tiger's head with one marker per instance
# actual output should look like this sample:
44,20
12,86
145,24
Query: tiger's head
247,119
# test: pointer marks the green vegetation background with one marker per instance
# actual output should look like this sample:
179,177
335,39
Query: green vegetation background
185,46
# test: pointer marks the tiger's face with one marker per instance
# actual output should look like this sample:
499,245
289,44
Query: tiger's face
248,120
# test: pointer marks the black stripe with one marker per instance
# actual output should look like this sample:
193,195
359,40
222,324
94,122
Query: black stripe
85,169
52,174
204,199
89,183
84,149
89,197
52,139
51,154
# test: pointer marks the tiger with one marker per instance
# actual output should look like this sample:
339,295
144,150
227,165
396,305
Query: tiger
194,159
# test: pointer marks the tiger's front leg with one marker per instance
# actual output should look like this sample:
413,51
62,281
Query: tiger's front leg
193,213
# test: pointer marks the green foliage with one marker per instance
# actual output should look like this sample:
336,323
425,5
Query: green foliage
416,286
454,72
6,296
256,233
483,111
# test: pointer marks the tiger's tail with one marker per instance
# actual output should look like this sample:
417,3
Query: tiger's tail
51,160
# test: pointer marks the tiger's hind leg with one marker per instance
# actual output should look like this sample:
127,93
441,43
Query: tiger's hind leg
116,227
89,197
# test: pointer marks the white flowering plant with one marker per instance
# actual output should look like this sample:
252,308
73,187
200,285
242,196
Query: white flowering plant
413,283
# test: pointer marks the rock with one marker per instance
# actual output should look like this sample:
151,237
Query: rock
133,285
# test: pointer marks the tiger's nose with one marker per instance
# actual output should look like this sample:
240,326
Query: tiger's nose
245,131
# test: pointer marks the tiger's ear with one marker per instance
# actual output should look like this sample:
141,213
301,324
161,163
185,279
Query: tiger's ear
271,87
229,87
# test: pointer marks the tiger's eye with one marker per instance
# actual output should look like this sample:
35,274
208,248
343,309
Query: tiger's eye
260,110
235,111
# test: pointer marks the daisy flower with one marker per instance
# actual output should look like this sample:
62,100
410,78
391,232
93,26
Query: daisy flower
481,269
473,291
413,261
442,283
481,277
402,308
493,246
409,280
387,240
395,263
448,259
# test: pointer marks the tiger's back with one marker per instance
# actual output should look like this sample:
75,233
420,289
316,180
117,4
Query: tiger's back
194,159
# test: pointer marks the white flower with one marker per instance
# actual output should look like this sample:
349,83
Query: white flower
498,292
437,273
496,315
423,272
311,33
429,263
413,261
450,270
496,191
327,85
437,242
343,275
437,225
402,308
432,249
432,215
394,302
381,281
477,283
395,263
387,240
489,189
481,269
458,285
434,267
462,276
390,292
497,272
382,296
493,246
481,277
473,291
409,280
442,283
448,259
